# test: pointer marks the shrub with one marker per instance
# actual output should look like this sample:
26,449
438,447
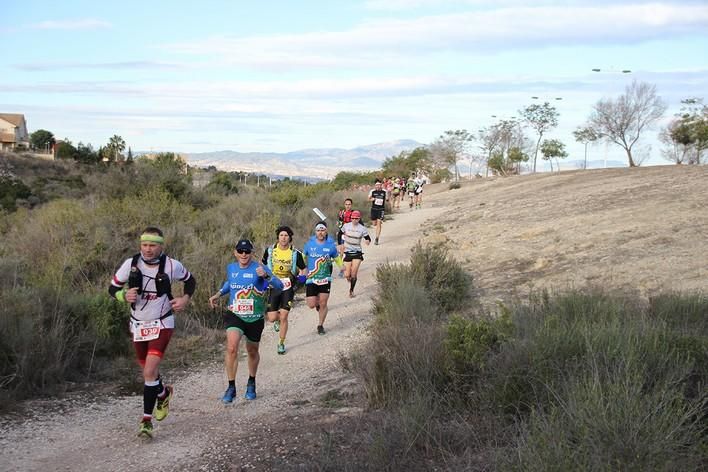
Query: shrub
469,342
442,276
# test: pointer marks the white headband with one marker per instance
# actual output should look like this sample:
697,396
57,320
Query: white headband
320,226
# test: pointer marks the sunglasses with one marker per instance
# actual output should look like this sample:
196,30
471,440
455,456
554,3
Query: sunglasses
243,251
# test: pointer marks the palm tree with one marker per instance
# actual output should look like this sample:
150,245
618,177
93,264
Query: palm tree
117,146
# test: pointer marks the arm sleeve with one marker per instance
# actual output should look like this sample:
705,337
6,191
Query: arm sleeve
300,261
367,237
264,259
190,285
225,288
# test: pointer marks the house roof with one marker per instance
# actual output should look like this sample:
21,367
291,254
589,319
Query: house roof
7,138
15,118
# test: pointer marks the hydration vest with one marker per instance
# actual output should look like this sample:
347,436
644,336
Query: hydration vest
293,264
162,280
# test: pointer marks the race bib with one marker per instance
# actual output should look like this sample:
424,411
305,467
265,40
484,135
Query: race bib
320,281
287,283
378,201
242,306
146,330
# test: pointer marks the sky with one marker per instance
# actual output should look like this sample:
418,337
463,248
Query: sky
279,76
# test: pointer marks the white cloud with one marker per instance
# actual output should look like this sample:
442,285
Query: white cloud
388,42
77,24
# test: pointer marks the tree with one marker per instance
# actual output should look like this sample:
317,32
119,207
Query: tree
541,118
504,144
451,146
42,140
553,148
407,162
586,136
116,145
85,153
129,159
687,133
622,121
65,150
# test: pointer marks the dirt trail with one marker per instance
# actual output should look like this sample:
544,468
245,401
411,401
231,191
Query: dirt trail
201,433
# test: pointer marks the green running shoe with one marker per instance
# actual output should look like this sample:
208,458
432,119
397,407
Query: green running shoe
281,348
276,326
162,407
145,429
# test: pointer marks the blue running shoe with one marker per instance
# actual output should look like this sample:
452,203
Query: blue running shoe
229,395
250,392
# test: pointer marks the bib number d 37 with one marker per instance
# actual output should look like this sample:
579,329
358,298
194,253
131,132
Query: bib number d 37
146,330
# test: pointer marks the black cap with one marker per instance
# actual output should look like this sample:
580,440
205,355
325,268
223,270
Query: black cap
244,245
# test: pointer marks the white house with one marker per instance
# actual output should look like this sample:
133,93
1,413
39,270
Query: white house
13,132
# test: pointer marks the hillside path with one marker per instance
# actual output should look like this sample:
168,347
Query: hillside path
201,433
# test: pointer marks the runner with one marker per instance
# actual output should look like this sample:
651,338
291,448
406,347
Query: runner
320,250
344,216
410,188
246,283
352,234
286,263
152,306
377,197
396,193
419,181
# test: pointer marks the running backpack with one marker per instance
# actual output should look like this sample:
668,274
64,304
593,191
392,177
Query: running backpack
162,280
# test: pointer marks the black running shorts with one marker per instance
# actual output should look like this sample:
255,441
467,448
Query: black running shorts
313,290
281,300
252,330
350,256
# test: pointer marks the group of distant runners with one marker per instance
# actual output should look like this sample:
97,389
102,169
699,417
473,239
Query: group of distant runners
258,291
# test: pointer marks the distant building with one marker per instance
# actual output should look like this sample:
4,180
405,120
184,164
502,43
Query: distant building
13,132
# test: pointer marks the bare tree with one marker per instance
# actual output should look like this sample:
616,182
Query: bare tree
541,118
623,120
453,146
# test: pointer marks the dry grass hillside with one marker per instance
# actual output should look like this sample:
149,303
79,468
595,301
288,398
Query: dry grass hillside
642,229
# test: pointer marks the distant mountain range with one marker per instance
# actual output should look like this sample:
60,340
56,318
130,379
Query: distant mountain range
315,164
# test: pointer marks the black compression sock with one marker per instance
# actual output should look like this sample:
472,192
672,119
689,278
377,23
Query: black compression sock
352,284
149,398
251,380
232,383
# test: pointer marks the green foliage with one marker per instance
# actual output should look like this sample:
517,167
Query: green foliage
410,302
65,150
541,118
470,341
690,129
407,163
442,276
223,183
292,193
12,189
41,139
349,180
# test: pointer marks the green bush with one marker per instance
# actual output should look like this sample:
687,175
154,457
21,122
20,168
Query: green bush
469,342
443,278
12,189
